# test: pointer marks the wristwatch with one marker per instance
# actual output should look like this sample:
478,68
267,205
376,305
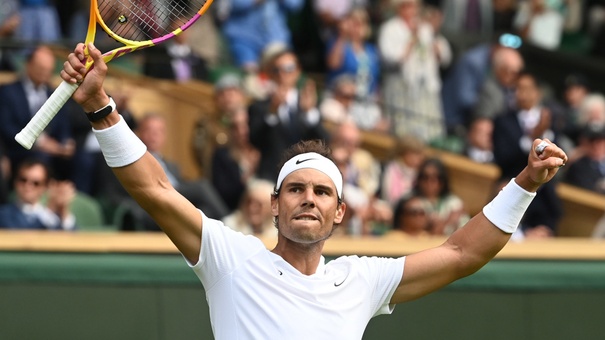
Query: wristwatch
102,112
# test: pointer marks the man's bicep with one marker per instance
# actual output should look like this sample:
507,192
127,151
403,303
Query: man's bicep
426,272
182,223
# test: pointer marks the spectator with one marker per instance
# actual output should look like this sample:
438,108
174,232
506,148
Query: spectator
175,60
288,116
235,163
497,94
479,145
39,22
539,24
331,12
152,131
32,182
342,104
401,170
464,18
446,209
513,133
21,100
361,175
576,91
411,218
254,216
412,84
588,172
463,83
350,52
251,26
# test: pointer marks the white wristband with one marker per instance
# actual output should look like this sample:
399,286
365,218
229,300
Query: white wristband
120,146
507,208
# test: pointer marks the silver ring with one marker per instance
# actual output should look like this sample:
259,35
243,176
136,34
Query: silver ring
540,147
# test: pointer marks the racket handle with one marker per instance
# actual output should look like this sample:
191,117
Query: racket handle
47,112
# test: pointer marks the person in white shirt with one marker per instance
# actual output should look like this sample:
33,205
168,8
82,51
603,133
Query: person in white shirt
290,291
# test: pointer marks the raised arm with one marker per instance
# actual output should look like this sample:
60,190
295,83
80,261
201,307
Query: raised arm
138,171
475,244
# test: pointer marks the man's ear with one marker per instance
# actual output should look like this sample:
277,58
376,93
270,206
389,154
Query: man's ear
340,212
274,206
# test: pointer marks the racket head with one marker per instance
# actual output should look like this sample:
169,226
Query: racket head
139,23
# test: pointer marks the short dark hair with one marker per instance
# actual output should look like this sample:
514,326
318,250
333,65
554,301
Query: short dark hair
30,163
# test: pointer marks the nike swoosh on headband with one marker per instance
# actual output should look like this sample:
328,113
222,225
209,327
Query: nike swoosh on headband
304,160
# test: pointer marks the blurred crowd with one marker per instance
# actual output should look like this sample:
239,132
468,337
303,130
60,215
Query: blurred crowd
431,74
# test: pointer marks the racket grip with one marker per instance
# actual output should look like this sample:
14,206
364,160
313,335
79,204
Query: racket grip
47,112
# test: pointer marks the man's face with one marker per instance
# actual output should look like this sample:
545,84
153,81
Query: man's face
415,218
528,94
285,70
41,66
30,184
307,207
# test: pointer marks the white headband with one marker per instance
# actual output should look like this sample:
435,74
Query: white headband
312,160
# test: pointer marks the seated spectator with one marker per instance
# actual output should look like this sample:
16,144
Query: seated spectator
39,22
539,23
21,100
352,53
447,212
512,137
576,91
254,216
235,163
331,12
588,172
411,218
479,145
31,182
468,18
175,60
152,131
250,26
591,113
361,175
289,115
341,104
400,172
497,94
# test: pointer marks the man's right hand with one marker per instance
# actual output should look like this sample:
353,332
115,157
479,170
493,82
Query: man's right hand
90,94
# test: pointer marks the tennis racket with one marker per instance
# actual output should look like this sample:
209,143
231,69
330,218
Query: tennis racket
135,23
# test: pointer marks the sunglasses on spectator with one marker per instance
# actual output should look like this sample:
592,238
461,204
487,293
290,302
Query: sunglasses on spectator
348,96
414,212
33,182
286,68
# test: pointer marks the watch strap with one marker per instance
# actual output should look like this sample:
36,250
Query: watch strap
102,112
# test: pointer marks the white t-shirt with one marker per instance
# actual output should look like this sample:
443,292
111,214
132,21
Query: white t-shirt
255,294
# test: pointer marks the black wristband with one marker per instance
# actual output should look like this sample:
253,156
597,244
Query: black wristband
102,112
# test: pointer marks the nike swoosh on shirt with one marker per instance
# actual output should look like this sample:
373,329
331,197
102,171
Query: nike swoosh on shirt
303,160
337,284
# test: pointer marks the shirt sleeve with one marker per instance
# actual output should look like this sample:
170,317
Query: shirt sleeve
222,250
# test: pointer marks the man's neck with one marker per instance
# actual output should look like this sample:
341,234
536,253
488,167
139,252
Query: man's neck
304,257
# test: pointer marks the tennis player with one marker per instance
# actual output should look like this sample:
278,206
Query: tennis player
290,292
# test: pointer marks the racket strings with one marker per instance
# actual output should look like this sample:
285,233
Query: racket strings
141,20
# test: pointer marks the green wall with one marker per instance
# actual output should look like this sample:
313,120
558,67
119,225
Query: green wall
120,296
